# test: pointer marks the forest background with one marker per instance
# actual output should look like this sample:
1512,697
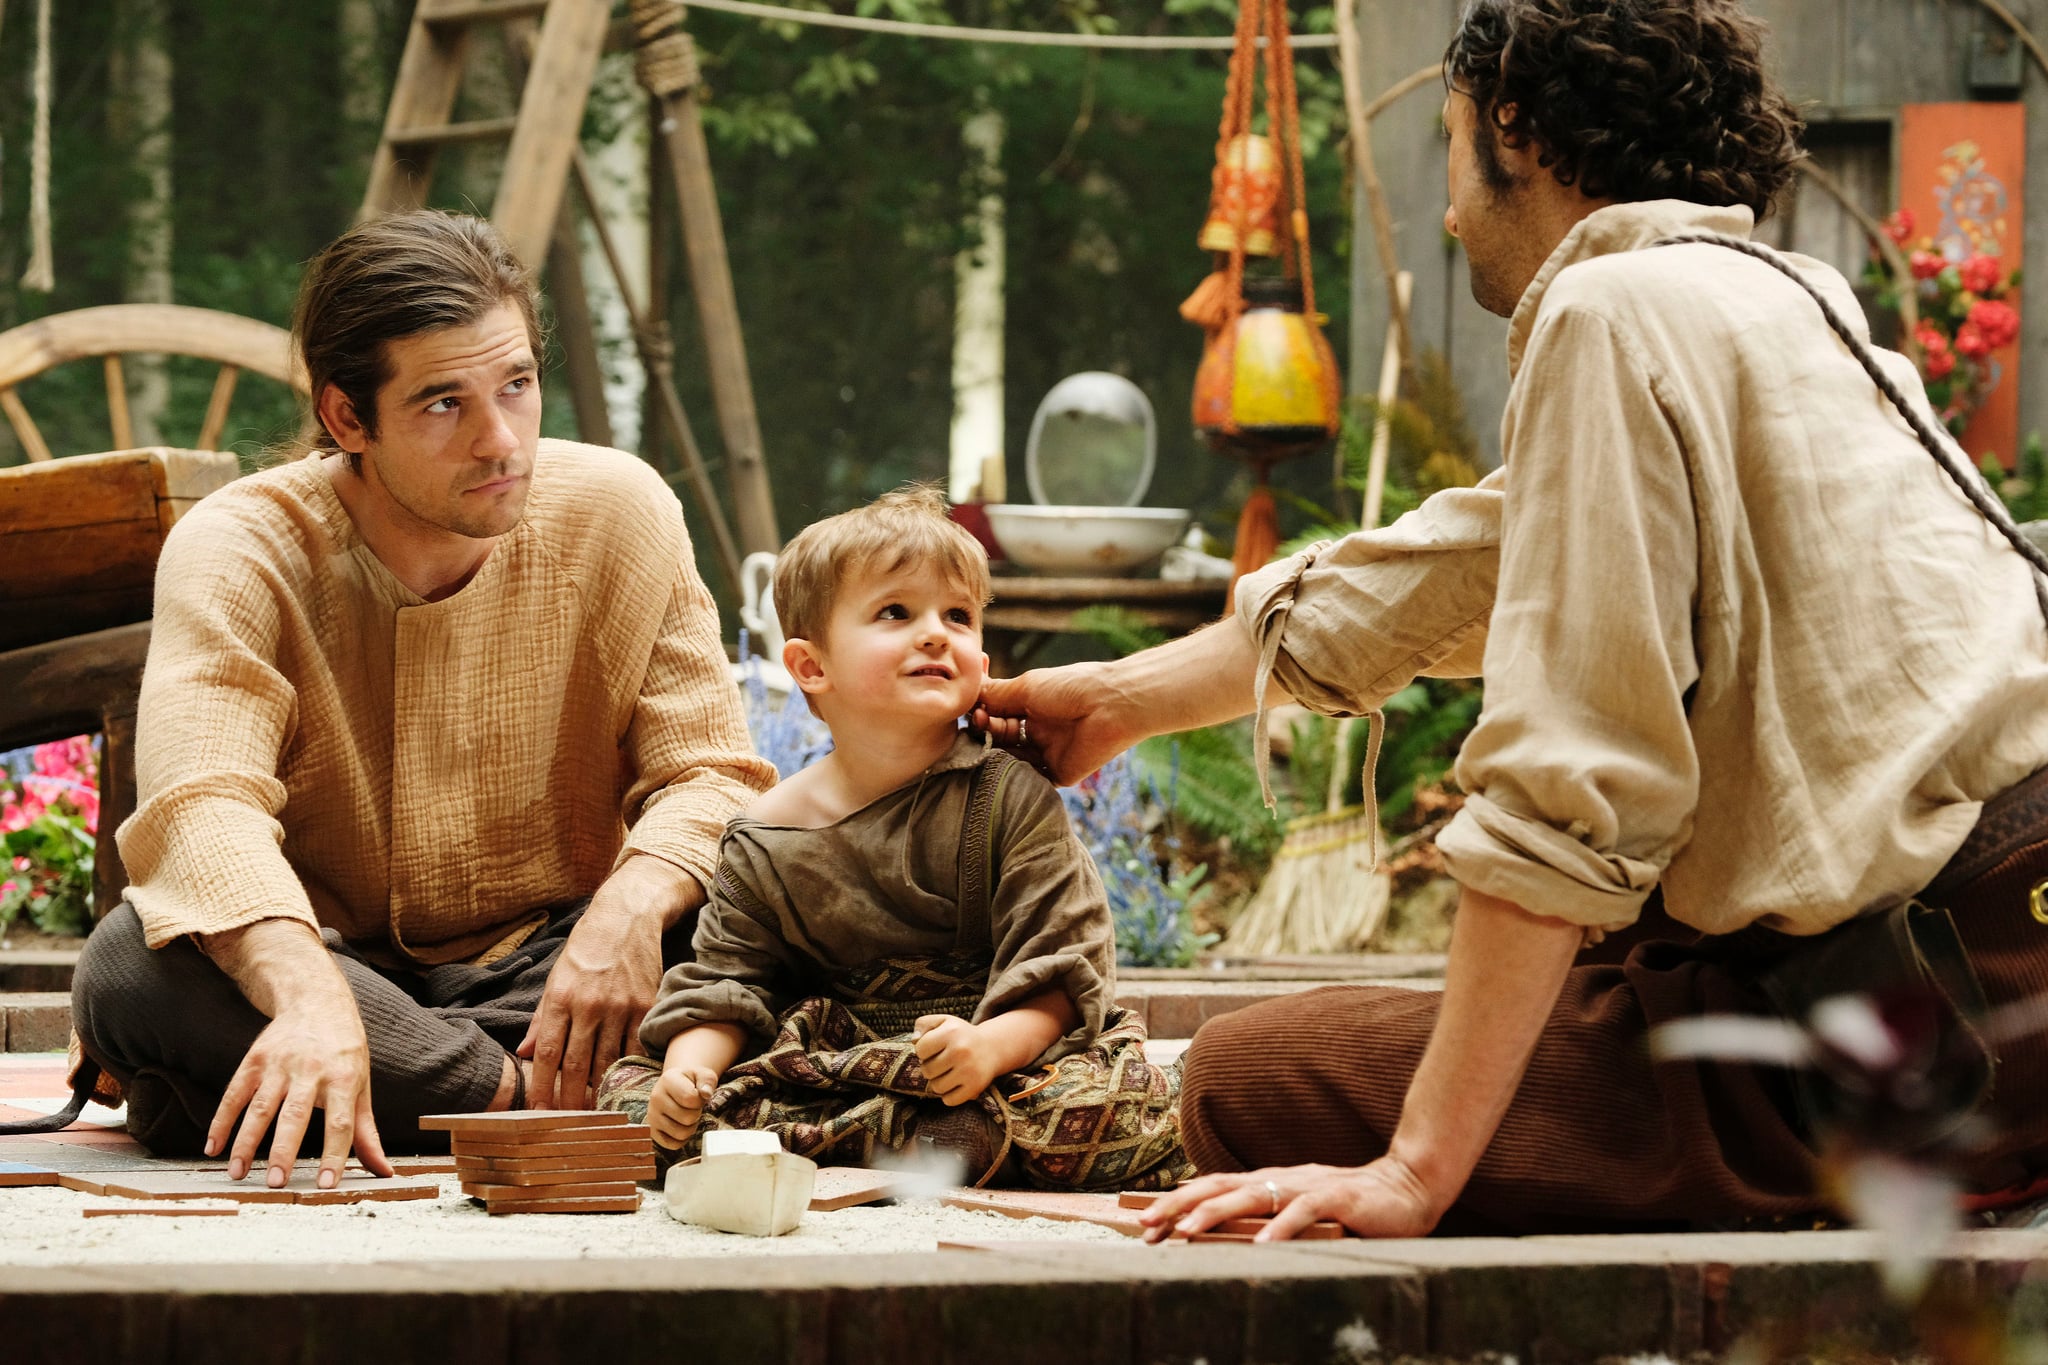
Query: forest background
204,149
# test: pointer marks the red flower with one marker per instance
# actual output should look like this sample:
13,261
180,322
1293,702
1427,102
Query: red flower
1982,274
1998,322
1939,364
1971,341
1899,227
1926,265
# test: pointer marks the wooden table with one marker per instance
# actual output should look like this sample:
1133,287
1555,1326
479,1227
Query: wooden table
1027,610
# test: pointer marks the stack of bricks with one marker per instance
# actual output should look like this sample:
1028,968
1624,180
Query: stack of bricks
549,1161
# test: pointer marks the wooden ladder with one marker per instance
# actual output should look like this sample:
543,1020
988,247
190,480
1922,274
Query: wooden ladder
542,132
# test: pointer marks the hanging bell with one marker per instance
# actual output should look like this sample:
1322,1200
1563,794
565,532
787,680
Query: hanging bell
1267,388
1244,188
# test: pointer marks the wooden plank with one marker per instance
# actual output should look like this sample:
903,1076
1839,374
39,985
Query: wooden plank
189,475
67,558
1100,1209
550,122
718,315
25,429
636,1146
569,1171
303,1188
447,134
842,1187
85,490
454,12
497,1127
588,1189
216,419
117,405
576,331
16,1175
165,1210
422,94
617,1204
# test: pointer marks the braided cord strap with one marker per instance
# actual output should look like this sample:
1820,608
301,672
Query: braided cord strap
1937,442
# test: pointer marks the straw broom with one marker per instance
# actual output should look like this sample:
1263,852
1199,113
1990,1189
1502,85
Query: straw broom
1325,892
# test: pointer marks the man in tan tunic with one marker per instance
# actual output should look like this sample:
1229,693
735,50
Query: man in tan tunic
444,695
1748,652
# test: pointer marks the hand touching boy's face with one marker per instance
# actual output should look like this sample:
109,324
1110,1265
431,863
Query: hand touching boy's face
899,646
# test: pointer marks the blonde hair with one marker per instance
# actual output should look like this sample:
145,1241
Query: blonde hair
896,531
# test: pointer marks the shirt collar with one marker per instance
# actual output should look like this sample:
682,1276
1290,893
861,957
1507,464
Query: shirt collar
1618,227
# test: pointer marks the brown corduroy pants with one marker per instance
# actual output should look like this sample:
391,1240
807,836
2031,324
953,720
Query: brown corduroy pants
1599,1138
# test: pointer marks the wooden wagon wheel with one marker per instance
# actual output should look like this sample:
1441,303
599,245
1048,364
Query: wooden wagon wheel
237,343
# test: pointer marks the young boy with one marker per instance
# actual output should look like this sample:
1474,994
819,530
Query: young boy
906,935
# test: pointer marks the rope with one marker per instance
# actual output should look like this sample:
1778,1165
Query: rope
665,58
41,274
782,14
1935,441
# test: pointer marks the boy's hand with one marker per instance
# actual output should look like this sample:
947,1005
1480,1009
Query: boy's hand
677,1105
957,1058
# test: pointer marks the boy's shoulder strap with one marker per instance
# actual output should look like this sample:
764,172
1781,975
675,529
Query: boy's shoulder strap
980,837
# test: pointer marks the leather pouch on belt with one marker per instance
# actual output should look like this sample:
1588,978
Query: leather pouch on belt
1910,964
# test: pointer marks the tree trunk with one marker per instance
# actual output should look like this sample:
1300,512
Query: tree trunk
976,469
365,85
618,174
140,87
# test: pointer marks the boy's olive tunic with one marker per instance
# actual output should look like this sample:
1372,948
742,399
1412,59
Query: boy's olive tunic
792,907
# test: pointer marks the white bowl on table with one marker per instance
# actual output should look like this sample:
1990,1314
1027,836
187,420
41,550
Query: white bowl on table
1084,541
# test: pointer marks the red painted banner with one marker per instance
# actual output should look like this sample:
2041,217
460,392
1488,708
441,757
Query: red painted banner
1962,170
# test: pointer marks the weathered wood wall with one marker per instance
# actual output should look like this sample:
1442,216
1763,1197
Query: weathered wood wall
1848,61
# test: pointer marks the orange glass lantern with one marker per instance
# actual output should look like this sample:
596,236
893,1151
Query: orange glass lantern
1268,388
1244,188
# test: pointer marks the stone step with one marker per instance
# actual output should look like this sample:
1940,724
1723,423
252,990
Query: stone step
35,1021
1815,1295
37,969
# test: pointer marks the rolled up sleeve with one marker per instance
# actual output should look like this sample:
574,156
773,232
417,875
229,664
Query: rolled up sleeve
1582,777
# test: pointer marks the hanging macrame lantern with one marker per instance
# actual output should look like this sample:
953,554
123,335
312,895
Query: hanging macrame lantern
1268,387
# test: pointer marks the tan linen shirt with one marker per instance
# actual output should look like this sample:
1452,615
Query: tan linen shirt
792,906
316,742
1741,636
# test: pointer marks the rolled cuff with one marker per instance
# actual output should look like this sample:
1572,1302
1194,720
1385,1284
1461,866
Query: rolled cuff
1265,603
1492,850
206,857
685,829
688,1000
1070,972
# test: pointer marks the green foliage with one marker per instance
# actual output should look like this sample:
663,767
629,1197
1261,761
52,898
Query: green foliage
2025,490
55,890
1427,722
1152,924
1214,786
1119,628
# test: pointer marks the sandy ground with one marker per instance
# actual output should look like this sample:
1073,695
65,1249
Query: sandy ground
46,1227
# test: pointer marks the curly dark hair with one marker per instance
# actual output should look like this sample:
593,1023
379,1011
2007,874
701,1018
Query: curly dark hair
1632,99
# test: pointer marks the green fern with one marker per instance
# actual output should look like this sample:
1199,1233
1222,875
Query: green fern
1118,628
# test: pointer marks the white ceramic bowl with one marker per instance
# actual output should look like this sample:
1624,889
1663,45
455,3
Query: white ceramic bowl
1084,540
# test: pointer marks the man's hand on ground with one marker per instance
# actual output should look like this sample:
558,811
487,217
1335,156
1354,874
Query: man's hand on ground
604,982
312,1055
1384,1199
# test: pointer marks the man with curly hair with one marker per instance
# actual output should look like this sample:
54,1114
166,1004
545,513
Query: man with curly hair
1757,674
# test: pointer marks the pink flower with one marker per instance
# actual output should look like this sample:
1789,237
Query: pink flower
87,804
8,888
1971,341
1926,265
1982,274
1899,227
1999,322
